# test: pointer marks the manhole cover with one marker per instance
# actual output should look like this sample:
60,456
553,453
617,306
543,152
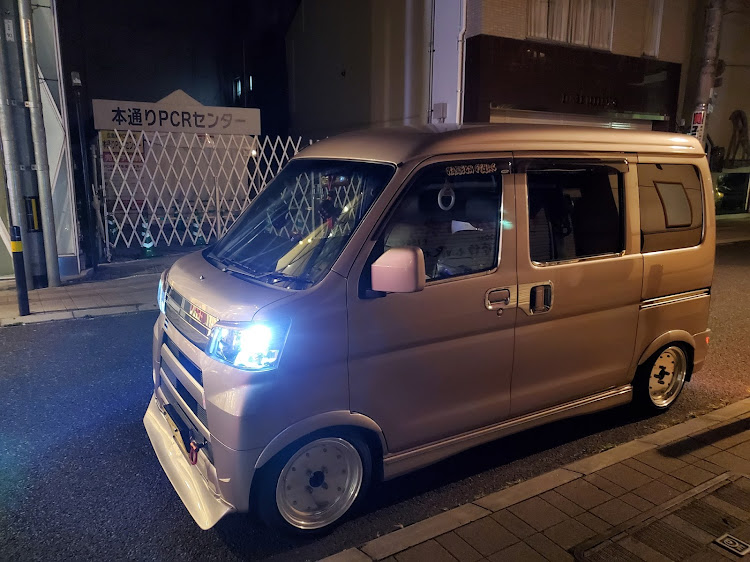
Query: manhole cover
733,544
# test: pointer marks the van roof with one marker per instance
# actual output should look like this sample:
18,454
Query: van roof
400,144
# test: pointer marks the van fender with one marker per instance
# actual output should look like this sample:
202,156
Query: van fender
315,423
664,339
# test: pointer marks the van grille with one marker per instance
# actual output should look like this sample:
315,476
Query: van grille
192,403
192,321
184,360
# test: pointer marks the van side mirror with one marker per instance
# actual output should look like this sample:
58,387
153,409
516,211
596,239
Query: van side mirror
399,270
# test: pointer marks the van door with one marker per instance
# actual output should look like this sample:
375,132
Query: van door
438,362
579,279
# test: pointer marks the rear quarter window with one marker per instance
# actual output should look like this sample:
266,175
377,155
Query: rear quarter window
671,203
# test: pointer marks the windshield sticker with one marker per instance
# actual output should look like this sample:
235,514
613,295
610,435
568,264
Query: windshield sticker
466,169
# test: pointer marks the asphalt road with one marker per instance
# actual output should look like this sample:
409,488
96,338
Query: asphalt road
78,478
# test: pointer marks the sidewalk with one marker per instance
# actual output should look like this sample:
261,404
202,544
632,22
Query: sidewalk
668,496
732,228
115,288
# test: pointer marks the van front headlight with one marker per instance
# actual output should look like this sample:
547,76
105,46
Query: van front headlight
254,346
161,294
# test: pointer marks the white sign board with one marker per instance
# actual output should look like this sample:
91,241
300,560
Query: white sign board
169,117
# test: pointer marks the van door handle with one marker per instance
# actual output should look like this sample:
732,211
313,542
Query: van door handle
500,297
536,298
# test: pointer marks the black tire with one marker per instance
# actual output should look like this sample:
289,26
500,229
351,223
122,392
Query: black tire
267,481
670,365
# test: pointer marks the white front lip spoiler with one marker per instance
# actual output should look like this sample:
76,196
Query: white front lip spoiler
205,507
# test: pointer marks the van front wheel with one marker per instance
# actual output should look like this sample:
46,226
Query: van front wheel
310,486
662,377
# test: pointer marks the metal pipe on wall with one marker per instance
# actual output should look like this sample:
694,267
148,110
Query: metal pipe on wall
12,165
39,139
461,64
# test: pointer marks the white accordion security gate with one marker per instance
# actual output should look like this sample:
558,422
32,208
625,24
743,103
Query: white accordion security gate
180,189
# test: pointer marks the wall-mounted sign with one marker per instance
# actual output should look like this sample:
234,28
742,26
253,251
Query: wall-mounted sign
175,114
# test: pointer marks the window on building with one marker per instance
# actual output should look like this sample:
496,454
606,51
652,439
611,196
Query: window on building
671,206
574,212
579,22
653,28
452,212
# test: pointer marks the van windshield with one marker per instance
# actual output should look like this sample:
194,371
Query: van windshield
294,230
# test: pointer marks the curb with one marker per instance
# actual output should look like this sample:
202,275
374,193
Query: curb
417,533
39,317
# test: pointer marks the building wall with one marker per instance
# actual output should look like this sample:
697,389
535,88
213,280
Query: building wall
353,65
733,93
509,18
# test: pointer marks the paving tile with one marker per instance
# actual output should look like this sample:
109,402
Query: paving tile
350,555
527,489
562,503
569,533
741,450
538,513
519,552
105,311
710,467
429,550
637,502
459,548
672,482
604,484
643,468
656,492
657,460
730,462
513,523
38,317
422,531
547,548
615,511
678,431
593,522
625,476
689,448
583,493
726,435
486,536
693,475
610,457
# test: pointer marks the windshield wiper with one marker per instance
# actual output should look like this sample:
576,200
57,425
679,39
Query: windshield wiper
233,266
285,277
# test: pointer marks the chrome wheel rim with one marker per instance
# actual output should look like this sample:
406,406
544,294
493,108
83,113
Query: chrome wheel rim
319,483
667,376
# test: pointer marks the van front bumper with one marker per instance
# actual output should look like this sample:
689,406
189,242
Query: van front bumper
194,489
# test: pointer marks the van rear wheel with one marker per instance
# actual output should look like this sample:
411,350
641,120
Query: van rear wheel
662,377
311,485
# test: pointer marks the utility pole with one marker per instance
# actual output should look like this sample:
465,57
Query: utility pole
39,138
714,13
11,161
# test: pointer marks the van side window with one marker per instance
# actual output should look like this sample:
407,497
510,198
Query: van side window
574,212
452,212
671,206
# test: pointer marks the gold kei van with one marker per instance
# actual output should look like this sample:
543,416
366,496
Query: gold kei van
394,297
